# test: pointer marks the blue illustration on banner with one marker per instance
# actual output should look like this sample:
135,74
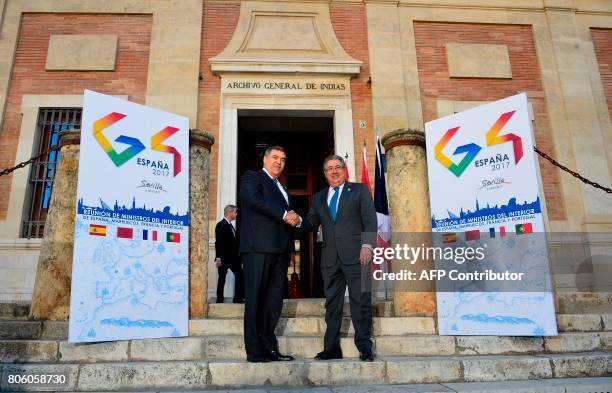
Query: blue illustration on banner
141,323
496,319
510,209
132,213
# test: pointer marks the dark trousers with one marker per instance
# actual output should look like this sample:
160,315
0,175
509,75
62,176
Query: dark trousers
265,281
335,279
236,268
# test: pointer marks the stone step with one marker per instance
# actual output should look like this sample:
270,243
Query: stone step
382,326
20,329
584,322
14,310
16,329
313,326
303,308
585,302
295,308
291,308
303,347
29,330
384,370
558,385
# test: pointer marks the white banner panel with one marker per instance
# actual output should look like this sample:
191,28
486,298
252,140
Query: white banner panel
483,186
130,264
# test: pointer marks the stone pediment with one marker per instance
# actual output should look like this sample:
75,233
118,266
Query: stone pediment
284,37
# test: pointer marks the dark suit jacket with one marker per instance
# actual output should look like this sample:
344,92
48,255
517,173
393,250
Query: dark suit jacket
262,229
226,244
355,224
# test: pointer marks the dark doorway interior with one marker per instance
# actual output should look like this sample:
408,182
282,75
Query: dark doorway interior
308,137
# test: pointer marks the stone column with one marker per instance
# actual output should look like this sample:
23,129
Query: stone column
200,143
408,194
51,296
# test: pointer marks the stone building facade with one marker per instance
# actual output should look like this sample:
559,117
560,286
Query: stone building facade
233,65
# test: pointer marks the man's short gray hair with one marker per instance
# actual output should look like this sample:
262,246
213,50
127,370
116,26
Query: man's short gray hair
229,208
279,148
334,157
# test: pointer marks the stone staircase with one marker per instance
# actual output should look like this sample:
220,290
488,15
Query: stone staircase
408,350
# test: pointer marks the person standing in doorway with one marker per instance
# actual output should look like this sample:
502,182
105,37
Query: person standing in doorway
347,215
227,255
265,240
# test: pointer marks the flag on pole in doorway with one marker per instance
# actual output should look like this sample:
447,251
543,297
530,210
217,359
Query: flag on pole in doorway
380,198
346,171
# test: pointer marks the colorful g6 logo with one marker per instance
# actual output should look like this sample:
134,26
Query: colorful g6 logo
135,146
472,149
493,139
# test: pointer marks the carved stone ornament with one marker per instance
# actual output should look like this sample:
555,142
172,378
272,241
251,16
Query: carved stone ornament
284,37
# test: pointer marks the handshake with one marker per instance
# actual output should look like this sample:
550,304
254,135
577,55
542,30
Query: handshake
292,218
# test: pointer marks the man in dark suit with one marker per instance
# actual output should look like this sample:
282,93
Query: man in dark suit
227,256
264,245
348,217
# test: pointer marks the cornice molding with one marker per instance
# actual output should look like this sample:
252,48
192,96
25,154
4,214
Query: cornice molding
285,37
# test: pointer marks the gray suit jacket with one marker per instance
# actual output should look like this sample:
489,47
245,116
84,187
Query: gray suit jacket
355,224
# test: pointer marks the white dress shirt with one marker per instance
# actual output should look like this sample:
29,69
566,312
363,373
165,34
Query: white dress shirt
330,194
232,224
282,190
279,185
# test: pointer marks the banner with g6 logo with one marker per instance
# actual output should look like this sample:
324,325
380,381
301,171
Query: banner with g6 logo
484,192
131,235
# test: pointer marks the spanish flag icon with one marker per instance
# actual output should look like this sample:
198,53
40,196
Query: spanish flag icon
97,230
449,237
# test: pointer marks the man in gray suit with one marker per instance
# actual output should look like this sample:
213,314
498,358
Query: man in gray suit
346,212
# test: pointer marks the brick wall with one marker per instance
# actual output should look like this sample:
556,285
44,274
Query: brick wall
218,25
350,24
29,75
435,83
602,40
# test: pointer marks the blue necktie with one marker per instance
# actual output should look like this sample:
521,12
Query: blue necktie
333,203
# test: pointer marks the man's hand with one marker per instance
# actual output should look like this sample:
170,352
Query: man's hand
218,263
292,218
365,255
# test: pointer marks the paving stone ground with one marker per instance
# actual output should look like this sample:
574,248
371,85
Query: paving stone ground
564,385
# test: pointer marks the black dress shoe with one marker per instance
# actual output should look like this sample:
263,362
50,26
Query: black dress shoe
275,356
257,359
328,355
366,356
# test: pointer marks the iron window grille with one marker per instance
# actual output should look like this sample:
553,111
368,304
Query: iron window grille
51,121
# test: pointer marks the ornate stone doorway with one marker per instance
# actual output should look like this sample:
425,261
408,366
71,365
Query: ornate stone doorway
283,57
308,138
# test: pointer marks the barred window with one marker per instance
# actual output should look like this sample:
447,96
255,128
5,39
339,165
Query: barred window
51,121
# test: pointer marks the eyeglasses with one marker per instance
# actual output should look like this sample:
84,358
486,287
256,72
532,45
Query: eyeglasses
334,168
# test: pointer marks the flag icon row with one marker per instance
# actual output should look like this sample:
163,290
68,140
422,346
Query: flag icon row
128,233
520,229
